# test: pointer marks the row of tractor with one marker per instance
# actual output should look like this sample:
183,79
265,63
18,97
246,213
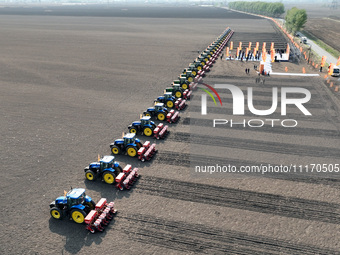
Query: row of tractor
79,207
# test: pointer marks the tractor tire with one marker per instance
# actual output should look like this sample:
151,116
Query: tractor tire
131,151
90,175
169,104
78,216
178,94
118,170
160,116
199,68
133,130
194,73
115,150
202,63
139,145
190,79
184,86
109,177
147,114
56,213
147,131
91,205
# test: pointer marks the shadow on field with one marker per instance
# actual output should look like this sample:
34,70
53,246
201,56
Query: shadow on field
76,236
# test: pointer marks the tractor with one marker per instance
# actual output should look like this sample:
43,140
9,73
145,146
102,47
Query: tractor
106,168
148,128
128,144
74,203
145,126
178,91
167,99
170,101
183,81
132,146
160,112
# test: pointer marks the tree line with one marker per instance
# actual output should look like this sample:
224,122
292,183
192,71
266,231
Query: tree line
264,8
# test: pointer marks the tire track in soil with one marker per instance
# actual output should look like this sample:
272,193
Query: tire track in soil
256,145
334,134
199,238
240,199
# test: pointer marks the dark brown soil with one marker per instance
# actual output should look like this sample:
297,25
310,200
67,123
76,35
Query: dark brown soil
71,85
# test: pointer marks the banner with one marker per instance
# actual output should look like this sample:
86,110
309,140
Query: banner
237,52
231,45
272,46
249,47
257,46
288,50
338,62
323,61
272,55
240,45
264,46
330,71
227,52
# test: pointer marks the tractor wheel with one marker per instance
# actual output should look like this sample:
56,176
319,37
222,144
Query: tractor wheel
118,169
133,130
206,59
199,68
115,150
147,114
184,86
91,205
147,131
90,175
78,216
194,73
190,79
202,63
160,116
178,94
169,104
109,177
131,151
56,213
139,145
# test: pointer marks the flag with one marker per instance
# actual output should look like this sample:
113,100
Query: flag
227,52
323,61
231,45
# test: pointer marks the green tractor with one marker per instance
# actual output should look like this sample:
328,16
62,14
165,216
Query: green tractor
182,82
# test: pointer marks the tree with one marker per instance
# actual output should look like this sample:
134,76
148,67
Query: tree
295,19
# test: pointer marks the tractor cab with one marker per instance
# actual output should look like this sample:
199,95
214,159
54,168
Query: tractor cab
176,87
129,139
75,197
159,107
107,162
168,96
145,121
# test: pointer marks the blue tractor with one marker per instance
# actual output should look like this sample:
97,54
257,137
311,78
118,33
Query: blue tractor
128,144
168,99
74,203
158,111
144,126
106,168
